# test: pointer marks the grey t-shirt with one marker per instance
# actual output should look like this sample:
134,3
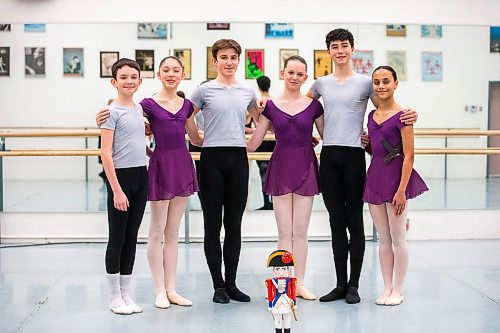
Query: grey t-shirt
345,107
224,110
129,145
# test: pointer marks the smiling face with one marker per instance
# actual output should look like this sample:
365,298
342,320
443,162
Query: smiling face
384,83
170,73
127,80
340,52
226,62
294,74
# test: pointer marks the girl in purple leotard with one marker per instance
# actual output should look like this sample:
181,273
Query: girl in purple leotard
292,174
390,182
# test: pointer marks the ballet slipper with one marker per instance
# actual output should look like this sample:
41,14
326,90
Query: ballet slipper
394,299
175,298
162,301
304,293
130,302
383,298
118,306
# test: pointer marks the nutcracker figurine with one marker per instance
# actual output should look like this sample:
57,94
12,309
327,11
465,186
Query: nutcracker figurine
281,290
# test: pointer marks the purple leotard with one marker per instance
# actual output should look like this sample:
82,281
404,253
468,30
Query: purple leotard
171,171
382,180
293,167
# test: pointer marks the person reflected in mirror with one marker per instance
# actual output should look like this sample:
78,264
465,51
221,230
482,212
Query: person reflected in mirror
390,183
292,174
224,166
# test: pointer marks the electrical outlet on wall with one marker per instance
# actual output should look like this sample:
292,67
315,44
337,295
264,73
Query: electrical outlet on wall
473,108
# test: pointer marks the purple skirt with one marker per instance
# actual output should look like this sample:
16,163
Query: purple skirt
171,174
292,170
382,182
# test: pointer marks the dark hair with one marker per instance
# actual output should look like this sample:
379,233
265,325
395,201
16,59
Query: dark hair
225,44
340,35
122,63
181,94
389,68
295,58
264,83
171,57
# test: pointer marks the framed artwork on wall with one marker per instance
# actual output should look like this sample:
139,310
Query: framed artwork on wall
73,62
34,61
211,70
285,54
218,26
146,61
254,63
4,61
395,30
107,59
322,63
494,39
5,27
431,31
432,66
184,56
279,30
34,28
397,60
151,30
362,62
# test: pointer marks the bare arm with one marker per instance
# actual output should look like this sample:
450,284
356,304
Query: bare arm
192,132
119,198
258,135
255,115
399,200
310,94
375,100
320,125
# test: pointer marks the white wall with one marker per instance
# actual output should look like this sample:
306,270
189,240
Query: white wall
55,100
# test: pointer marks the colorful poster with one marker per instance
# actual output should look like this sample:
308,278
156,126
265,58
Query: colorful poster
432,66
279,30
431,31
184,56
254,63
397,60
322,63
362,62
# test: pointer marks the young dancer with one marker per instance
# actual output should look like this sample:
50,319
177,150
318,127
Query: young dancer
390,182
123,154
342,164
171,175
292,174
224,166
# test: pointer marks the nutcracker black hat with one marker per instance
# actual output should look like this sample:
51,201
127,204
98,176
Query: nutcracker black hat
280,258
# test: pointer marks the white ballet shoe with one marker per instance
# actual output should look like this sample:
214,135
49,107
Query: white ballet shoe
382,299
175,298
394,300
304,293
130,302
118,306
161,301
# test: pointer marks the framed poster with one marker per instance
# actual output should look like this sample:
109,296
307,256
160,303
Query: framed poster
151,30
254,63
34,28
5,27
431,31
73,62
218,26
397,60
494,39
108,58
362,62
146,61
285,54
432,66
279,30
395,30
4,61
34,61
322,63
184,56
211,69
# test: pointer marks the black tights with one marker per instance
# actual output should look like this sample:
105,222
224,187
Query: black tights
342,178
223,183
124,225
